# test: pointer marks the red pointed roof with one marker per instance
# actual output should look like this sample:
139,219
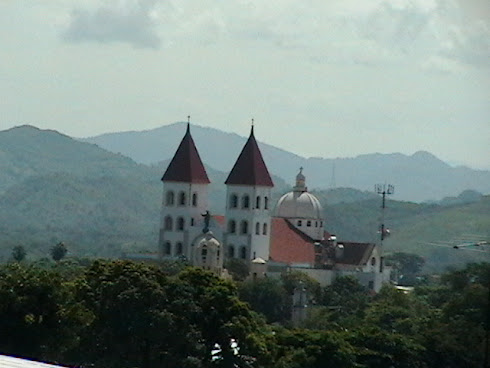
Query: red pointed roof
249,168
186,165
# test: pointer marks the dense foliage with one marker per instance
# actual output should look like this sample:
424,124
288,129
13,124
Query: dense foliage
122,314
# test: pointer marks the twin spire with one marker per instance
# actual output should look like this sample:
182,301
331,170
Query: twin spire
249,169
186,165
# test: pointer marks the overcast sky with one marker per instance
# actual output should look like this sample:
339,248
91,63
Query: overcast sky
332,78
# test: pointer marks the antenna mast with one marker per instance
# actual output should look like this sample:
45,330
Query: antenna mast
384,190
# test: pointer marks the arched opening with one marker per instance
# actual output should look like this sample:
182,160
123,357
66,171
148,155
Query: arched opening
246,201
204,254
170,198
233,201
194,199
244,227
231,251
232,226
243,252
264,229
257,229
167,249
179,249
182,199
257,202
180,224
373,261
266,203
168,223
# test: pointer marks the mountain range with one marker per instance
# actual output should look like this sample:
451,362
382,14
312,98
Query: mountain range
55,188
418,177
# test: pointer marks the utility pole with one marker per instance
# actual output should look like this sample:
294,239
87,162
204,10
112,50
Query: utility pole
384,190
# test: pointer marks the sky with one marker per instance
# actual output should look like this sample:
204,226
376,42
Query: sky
333,78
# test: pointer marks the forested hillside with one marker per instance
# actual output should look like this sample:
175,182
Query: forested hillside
56,189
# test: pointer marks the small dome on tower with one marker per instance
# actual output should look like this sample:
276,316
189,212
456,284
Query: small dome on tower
299,203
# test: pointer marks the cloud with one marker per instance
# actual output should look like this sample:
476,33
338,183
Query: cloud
130,23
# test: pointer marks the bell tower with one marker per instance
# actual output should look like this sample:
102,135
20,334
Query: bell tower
185,198
248,205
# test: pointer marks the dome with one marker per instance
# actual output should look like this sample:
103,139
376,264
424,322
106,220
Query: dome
299,205
208,240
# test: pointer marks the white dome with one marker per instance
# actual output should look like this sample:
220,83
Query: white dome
299,205
208,240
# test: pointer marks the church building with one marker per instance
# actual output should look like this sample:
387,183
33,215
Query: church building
273,237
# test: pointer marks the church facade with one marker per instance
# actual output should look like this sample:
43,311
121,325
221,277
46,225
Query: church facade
273,237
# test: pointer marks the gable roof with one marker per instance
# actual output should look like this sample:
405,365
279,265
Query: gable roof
357,254
186,165
250,168
289,245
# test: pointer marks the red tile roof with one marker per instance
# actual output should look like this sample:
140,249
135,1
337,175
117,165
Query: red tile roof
220,219
289,245
250,168
186,165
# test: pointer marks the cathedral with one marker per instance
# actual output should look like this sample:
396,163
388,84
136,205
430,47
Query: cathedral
273,237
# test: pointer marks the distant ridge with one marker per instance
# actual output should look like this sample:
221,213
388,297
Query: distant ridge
418,177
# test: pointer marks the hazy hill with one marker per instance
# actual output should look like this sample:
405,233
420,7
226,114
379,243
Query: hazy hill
100,203
54,188
418,177
417,227
27,151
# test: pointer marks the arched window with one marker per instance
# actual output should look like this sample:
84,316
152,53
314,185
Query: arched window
316,223
180,224
233,201
264,229
192,221
257,202
299,223
321,223
243,252
170,197
168,223
204,254
218,253
182,199
246,201
194,199
167,249
231,251
266,203
373,261
244,227
179,249
308,223
257,229
232,227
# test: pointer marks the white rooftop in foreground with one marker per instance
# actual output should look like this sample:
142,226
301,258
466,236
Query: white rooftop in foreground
11,362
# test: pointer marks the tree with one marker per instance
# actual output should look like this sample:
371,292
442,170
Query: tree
407,265
143,318
238,268
19,253
58,251
312,349
38,317
268,297
346,300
